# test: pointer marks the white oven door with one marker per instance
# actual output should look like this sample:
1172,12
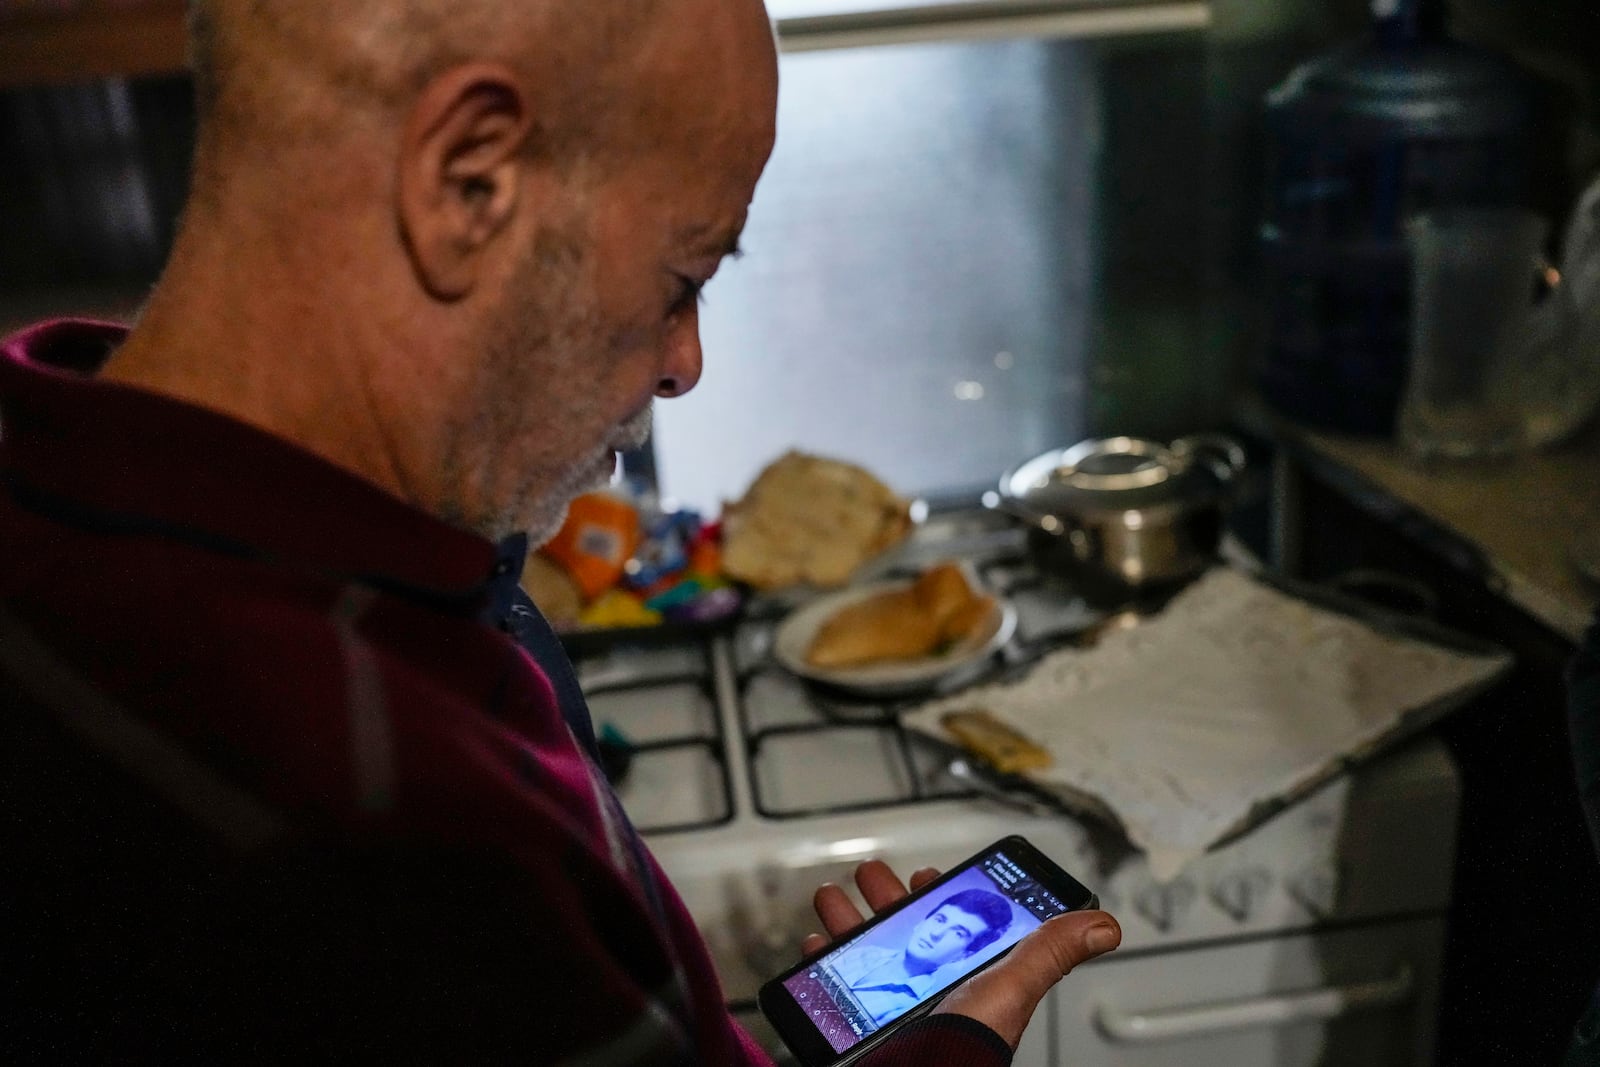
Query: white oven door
1355,998
1363,997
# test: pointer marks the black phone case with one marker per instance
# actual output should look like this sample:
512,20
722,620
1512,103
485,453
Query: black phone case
807,1042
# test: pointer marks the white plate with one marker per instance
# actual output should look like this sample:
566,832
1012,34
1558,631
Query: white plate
961,661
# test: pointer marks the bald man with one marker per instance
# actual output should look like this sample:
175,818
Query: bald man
290,770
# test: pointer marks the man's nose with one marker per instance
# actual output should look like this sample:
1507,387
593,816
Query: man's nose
680,366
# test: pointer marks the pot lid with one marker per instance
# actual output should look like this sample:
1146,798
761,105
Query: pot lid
1117,474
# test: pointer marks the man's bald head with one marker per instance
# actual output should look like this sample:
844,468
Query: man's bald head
456,245
269,73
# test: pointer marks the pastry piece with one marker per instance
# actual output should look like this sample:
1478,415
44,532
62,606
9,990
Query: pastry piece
809,520
995,742
889,626
959,624
942,590
934,612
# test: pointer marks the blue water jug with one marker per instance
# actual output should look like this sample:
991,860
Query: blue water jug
1404,121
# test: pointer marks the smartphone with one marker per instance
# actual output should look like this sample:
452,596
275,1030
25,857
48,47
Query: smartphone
836,1005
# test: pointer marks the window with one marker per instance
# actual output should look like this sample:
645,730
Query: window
953,242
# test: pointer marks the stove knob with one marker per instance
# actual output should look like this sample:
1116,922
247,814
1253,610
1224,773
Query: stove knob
1317,888
1163,905
1237,894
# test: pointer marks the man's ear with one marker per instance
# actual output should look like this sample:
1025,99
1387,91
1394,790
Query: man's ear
461,156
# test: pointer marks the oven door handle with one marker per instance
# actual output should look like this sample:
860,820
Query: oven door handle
1312,1005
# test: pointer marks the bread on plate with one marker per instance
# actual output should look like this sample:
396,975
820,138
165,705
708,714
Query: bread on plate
939,609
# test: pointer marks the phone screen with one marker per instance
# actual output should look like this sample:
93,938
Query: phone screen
931,942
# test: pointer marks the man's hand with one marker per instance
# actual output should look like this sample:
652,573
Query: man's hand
1003,997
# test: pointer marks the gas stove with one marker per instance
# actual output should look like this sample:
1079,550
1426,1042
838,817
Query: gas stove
753,787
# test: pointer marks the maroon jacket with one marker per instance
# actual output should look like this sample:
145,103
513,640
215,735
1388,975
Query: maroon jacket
287,773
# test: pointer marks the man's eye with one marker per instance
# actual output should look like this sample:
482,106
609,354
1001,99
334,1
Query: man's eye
689,294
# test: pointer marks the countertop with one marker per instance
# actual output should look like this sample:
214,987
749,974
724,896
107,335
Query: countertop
1511,522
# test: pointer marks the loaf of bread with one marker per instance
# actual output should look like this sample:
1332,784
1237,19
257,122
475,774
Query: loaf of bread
809,520
936,611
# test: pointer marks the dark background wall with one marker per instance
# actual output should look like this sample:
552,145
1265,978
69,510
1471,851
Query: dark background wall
92,177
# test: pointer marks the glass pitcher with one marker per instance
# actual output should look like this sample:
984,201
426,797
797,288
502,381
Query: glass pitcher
1563,350
1494,368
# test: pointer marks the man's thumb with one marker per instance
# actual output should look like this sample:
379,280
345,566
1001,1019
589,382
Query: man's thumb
1005,996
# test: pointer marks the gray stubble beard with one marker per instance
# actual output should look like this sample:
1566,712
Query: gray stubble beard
549,513
565,321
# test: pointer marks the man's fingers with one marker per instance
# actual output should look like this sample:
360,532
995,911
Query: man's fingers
880,886
1040,961
837,911
1005,996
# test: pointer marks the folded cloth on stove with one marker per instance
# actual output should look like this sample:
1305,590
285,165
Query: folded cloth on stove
1235,699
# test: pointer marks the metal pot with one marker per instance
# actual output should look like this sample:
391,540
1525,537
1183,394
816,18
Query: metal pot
1121,516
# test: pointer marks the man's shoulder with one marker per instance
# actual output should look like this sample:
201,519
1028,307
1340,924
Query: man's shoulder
283,679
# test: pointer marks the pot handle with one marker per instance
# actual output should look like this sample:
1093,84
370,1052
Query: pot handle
1223,454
